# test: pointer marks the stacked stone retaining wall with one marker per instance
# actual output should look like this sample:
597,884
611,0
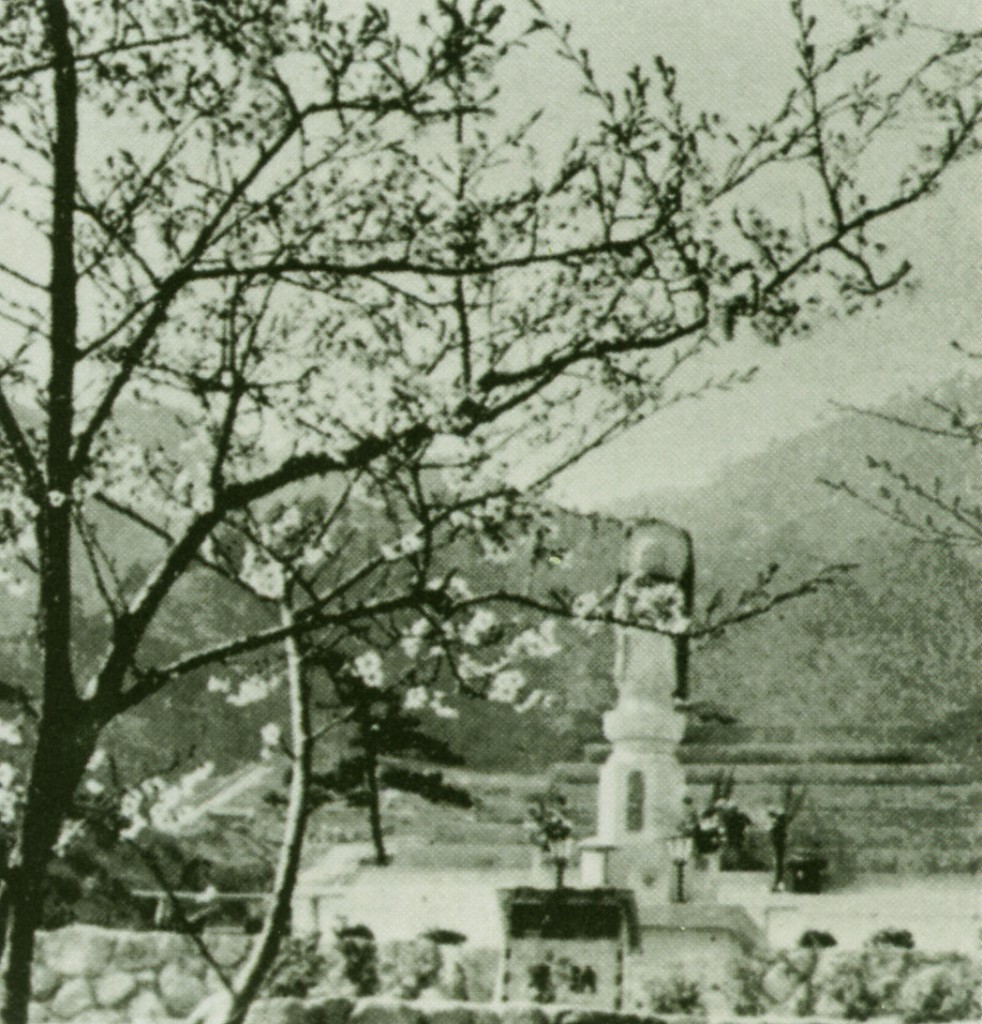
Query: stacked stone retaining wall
382,1011
89,975
99,975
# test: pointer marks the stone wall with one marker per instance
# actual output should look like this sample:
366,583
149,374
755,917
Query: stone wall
96,975
383,1011
88,974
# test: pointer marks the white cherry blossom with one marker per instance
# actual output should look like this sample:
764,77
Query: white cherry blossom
10,733
475,631
368,667
506,686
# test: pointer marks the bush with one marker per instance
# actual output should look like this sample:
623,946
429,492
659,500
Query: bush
848,983
901,938
749,996
445,937
298,968
416,967
940,992
677,995
359,953
540,982
815,939
884,979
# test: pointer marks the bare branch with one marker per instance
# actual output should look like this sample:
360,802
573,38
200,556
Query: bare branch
23,454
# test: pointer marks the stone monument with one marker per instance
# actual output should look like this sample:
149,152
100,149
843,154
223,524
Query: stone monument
641,788
567,946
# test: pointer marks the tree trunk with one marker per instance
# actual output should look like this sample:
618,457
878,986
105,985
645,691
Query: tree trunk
65,740
276,924
375,806
62,753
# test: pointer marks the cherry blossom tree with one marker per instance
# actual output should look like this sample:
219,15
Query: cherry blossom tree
264,252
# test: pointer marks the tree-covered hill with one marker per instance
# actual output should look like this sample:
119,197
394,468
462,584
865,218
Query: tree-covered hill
892,651
895,647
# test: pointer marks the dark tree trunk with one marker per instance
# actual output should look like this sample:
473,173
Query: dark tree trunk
65,740
375,807
63,750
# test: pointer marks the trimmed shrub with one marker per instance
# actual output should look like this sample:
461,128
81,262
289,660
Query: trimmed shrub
901,938
299,967
749,996
940,992
677,995
359,953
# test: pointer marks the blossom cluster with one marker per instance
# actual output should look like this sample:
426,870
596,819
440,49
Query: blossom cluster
160,804
251,690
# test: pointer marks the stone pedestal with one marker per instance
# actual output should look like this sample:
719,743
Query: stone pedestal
641,784
640,796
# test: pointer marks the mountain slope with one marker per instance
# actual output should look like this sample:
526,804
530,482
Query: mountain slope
891,652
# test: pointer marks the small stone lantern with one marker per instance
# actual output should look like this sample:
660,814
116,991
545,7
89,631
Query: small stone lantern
679,850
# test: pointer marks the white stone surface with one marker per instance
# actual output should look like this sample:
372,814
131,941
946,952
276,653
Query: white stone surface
644,729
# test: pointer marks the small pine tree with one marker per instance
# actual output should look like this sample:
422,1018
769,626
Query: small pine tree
381,729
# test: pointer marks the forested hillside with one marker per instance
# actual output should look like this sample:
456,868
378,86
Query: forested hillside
892,651
897,646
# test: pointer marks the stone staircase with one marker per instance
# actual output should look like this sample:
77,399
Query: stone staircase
886,804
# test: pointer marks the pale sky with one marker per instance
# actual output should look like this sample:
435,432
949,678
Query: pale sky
733,56
728,56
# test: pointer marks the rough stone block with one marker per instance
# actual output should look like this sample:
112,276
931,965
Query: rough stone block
329,1010
522,1013
73,998
449,1013
44,982
452,982
115,988
779,982
213,983
194,964
141,951
385,1011
102,1016
284,1010
576,1015
180,990
481,972
147,1009
77,951
213,1009
228,950
151,950
485,1014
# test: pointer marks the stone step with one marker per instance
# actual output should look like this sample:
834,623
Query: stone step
963,798
936,808
575,774
809,753
904,860
836,774
884,824
806,732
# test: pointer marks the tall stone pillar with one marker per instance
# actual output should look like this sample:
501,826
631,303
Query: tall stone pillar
641,784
